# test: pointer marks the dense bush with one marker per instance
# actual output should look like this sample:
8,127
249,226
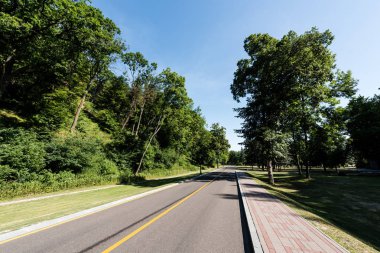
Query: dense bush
21,153
29,165
54,112
77,154
49,182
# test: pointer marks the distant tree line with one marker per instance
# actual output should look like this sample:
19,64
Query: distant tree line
292,113
64,112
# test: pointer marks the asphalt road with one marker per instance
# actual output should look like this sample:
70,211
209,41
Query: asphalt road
203,215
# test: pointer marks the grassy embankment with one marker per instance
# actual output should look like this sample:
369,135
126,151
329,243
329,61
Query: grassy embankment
15,216
346,208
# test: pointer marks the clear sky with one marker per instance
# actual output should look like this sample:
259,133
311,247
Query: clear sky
203,40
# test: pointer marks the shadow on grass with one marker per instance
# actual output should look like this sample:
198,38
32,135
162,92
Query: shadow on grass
342,201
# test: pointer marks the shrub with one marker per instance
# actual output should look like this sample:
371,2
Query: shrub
7,174
56,109
74,153
127,177
49,182
21,151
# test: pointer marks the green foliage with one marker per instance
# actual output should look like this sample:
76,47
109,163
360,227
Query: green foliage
236,158
21,151
49,182
219,143
291,90
56,78
56,109
78,154
364,128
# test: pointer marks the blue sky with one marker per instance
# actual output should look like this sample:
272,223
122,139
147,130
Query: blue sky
203,39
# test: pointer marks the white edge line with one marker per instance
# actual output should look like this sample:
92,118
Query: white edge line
251,226
67,218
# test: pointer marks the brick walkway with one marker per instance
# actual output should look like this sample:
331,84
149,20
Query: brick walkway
278,227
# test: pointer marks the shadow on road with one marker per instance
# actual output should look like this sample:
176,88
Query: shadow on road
127,227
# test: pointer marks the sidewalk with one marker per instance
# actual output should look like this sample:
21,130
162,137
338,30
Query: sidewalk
278,227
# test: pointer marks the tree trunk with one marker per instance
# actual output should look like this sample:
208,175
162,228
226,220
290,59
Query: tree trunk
6,71
308,176
138,124
200,169
158,127
79,109
270,172
133,128
125,122
81,104
324,167
130,112
299,167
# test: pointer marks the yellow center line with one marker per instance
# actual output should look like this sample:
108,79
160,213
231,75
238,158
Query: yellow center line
138,230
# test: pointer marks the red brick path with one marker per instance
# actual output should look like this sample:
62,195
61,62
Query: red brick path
279,228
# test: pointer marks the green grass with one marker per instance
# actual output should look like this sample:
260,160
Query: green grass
18,215
344,207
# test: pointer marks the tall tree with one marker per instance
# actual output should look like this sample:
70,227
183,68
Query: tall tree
219,143
99,43
139,73
363,118
288,84
172,97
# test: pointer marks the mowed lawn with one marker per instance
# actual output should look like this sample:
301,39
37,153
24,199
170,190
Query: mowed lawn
344,207
15,216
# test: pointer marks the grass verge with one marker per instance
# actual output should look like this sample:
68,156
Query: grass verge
15,216
346,208
180,171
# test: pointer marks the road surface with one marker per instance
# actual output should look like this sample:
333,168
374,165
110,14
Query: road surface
203,215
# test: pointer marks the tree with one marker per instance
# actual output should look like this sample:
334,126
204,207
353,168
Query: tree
288,84
173,97
139,73
201,153
97,38
219,143
363,116
43,46
236,157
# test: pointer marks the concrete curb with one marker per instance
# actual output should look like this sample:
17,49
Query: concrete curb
34,228
251,226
